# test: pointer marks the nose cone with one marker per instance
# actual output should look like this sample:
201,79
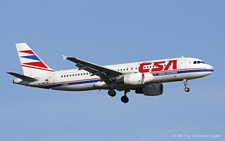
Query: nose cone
209,69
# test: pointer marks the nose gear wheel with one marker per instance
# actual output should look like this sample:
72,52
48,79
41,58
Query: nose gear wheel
186,89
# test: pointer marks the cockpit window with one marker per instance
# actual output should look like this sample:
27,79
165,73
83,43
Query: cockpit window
198,62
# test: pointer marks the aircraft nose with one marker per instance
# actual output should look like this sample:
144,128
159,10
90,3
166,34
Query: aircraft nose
210,68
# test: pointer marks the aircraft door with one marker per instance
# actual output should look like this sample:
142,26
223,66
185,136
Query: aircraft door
182,63
42,79
51,78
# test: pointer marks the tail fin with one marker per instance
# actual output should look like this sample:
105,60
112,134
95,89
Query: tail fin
30,61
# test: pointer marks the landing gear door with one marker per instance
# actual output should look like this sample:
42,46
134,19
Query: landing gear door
182,63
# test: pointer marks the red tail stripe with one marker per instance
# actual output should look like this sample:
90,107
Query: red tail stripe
27,51
38,68
36,64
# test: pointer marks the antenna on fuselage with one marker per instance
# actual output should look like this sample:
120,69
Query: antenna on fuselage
182,56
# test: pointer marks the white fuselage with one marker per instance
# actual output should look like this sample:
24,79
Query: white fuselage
166,70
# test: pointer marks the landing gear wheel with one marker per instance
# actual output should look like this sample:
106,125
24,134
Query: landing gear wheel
124,99
187,89
112,93
185,85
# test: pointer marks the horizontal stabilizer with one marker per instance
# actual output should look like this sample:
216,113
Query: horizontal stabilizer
23,77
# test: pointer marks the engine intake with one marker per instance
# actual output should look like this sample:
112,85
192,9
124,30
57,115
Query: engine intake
151,90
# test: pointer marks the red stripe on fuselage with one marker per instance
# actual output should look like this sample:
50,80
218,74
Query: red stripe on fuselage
79,80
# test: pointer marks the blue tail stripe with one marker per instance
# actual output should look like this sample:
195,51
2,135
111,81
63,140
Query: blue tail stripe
32,57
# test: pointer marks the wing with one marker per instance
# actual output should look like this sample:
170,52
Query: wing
105,74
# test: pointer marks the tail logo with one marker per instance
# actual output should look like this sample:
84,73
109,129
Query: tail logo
36,62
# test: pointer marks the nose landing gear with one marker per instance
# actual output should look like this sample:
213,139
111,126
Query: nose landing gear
186,89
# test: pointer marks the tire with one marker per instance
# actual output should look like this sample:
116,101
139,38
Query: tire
124,99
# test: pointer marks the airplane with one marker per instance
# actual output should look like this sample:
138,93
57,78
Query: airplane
145,77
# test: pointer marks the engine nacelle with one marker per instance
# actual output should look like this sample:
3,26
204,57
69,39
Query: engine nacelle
151,90
135,79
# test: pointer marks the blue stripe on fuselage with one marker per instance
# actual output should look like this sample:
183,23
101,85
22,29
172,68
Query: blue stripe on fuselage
181,72
154,74
71,83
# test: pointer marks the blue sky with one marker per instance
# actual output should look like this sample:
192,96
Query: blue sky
108,32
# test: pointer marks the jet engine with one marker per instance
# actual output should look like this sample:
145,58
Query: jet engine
151,90
135,78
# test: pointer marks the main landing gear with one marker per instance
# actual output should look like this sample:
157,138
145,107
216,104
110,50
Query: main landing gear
185,85
124,98
112,92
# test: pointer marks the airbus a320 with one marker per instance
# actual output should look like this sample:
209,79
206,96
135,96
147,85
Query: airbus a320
146,77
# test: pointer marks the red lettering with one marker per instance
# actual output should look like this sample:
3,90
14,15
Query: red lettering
173,63
158,66
142,65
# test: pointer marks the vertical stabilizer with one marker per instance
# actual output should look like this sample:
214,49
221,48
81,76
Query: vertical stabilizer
31,63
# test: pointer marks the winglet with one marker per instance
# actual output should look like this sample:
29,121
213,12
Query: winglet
64,57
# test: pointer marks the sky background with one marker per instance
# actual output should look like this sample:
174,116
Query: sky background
108,32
